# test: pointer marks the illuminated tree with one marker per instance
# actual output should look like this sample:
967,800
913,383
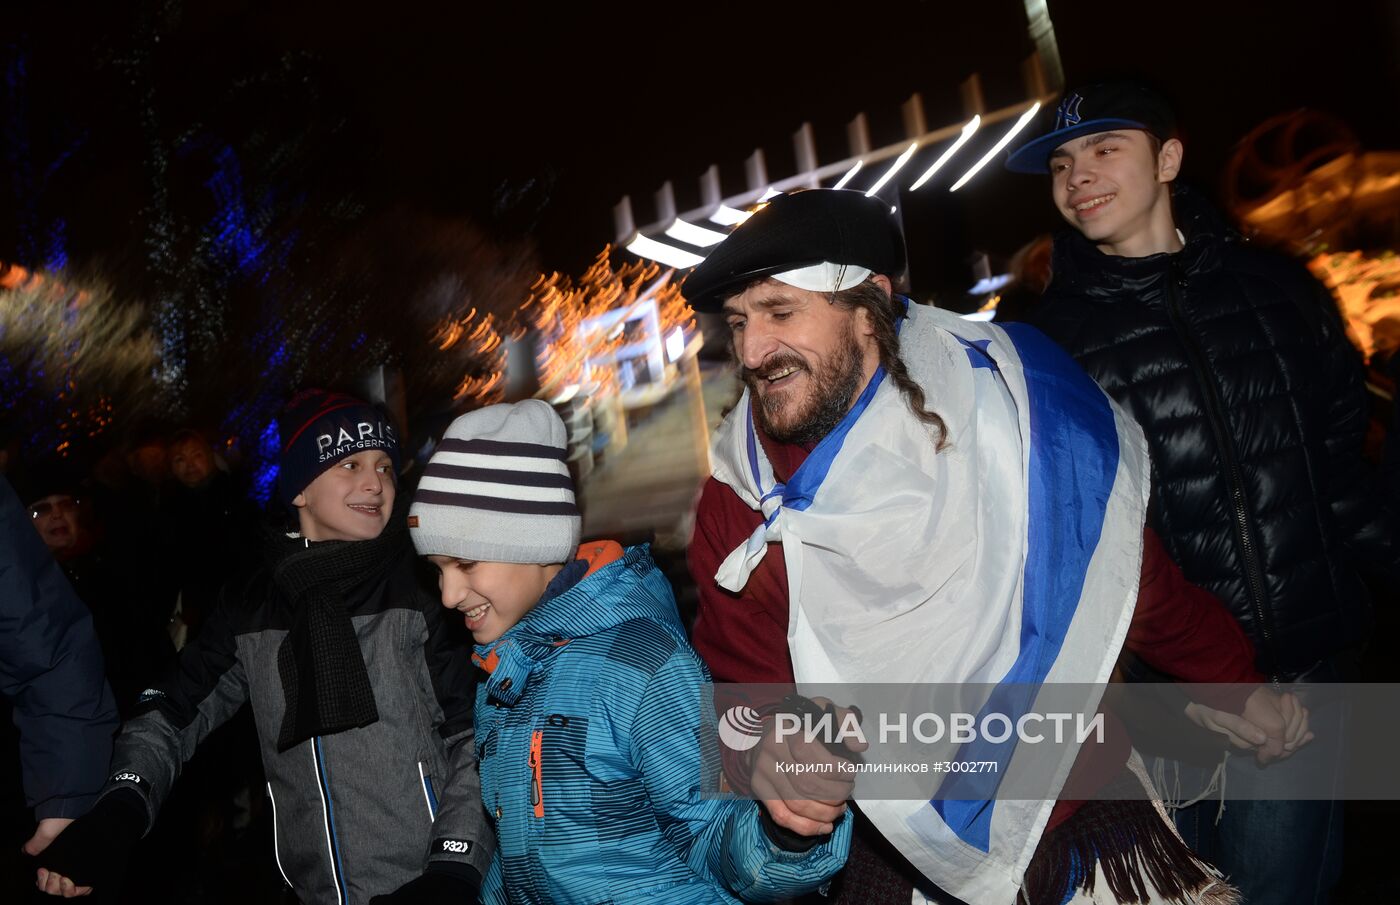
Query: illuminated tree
244,222
75,363
569,316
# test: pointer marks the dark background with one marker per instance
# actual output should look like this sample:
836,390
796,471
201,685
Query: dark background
186,150
533,119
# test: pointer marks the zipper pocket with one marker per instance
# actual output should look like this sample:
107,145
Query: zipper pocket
276,852
536,782
428,796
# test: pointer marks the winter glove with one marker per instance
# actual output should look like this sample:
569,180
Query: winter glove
443,883
93,850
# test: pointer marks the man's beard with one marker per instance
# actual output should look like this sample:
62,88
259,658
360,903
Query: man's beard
831,387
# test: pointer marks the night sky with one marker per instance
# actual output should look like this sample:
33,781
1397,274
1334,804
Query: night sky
533,120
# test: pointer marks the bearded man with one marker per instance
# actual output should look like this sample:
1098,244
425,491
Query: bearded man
955,503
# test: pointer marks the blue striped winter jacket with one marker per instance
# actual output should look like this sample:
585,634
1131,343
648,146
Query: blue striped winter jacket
593,743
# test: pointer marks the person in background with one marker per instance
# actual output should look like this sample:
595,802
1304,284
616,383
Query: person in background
209,530
51,672
1030,274
128,609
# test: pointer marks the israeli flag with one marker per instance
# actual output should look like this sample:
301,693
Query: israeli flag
1008,558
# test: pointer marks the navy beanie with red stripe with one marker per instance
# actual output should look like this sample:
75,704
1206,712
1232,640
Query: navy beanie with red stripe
318,428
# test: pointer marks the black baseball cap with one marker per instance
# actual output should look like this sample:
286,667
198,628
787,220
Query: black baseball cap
849,232
1096,108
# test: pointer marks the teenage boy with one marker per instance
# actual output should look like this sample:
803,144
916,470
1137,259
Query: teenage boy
1235,363
593,744
362,700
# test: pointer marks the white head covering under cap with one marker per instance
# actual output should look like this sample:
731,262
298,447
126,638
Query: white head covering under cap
800,237
497,489
824,277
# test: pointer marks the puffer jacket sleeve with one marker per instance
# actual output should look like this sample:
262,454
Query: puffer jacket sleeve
51,670
1365,515
721,839
462,836
207,688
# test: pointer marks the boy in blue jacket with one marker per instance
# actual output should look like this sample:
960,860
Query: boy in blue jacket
593,742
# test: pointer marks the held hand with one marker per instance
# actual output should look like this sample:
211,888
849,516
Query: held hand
92,850
46,881
46,832
1267,705
57,885
801,782
1274,725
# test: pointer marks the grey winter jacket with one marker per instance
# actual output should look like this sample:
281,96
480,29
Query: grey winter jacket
359,812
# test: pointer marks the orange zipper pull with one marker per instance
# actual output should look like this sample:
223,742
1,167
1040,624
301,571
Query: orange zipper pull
536,782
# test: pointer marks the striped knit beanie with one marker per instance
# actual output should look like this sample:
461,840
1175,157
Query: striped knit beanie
497,489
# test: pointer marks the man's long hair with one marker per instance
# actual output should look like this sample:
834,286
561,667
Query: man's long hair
885,310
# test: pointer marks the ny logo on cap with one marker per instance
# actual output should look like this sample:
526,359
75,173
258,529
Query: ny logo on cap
1068,114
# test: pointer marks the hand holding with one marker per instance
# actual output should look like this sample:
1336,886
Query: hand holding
801,782
1274,725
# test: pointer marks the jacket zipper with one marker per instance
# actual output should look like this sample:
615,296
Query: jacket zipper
536,782
1253,573
328,814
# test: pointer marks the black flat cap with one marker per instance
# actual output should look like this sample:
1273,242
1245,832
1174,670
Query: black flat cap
835,226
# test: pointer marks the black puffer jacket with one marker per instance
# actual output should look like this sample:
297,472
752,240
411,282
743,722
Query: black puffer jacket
1235,363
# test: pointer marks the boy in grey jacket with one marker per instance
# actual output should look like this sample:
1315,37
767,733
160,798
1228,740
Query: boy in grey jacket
362,701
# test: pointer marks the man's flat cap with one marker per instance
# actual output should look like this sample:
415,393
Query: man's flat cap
792,237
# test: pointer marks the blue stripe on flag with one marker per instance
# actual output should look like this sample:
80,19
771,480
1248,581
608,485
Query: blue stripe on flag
1073,461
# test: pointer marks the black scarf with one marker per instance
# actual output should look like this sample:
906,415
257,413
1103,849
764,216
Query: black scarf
324,681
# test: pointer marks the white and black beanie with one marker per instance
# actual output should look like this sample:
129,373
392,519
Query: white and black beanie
497,489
